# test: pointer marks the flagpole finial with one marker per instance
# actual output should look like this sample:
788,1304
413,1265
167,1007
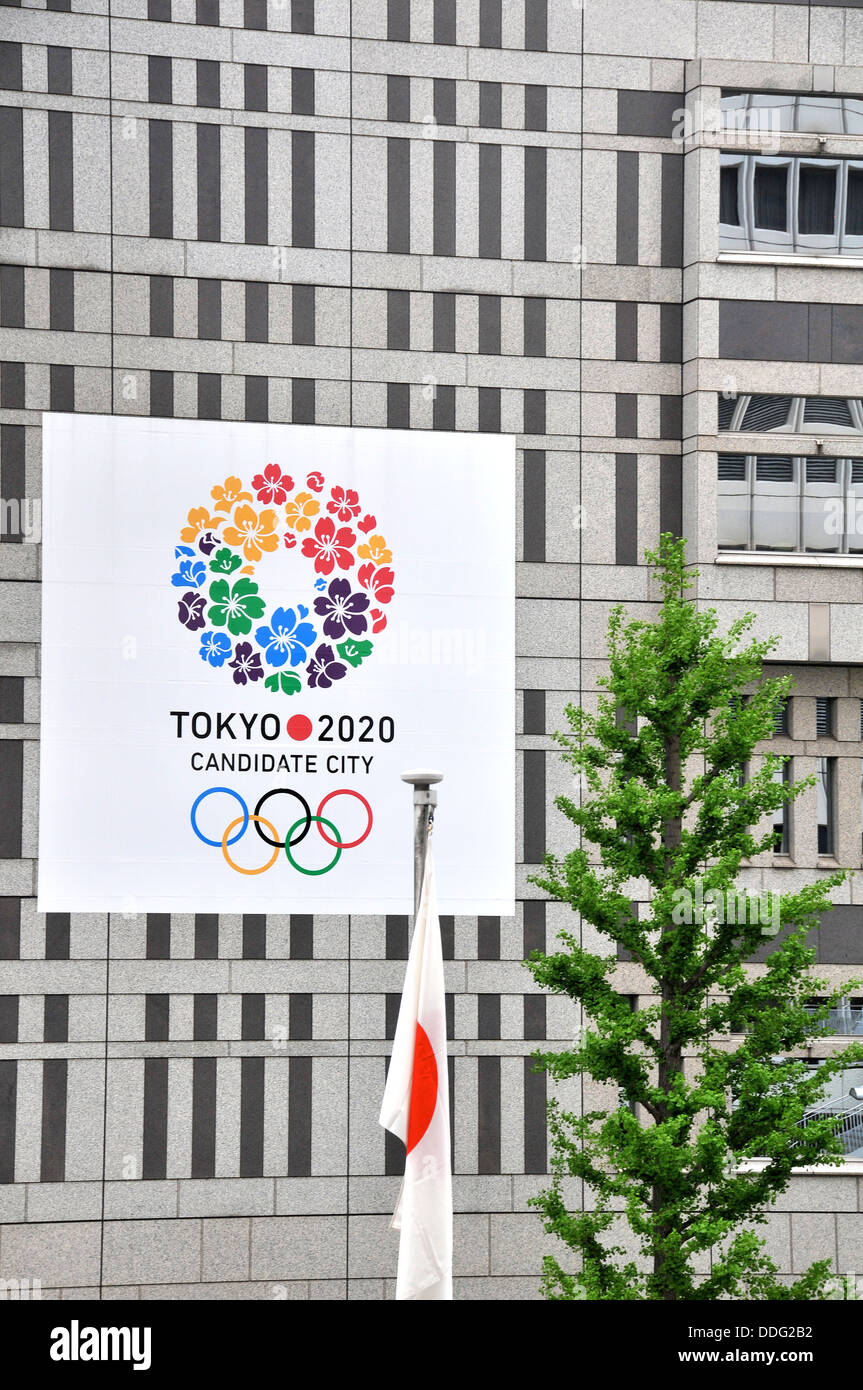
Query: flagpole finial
423,782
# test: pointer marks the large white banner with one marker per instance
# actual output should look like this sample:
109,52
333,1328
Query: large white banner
248,633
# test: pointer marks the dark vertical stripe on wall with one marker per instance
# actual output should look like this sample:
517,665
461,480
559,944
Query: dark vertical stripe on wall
626,331
161,179
254,936
300,1018
9,1018
209,308
490,23
303,91
11,278
255,96
162,306
303,188
53,1155
162,394
534,412
300,1117
159,10
671,494
396,929
671,333
444,100
209,396
11,693
489,201
671,235
488,1017
626,509
11,398
447,937
534,806
8,1106
208,83
10,66
154,1156
10,929
257,326
253,1017
488,1114
536,25
11,780
55,1018
203,1117
394,1149
670,417
303,315
11,167
302,400
534,712
398,405
443,322
392,1003
60,71
158,936
444,21
61,299
256,187
443,199
398,320
398,195
488,938
205,1017
535,1132
209,183
206,936
301,940
157,1017
207,12
58,931
257,398
535,198
443,409
398,21
535,107
252,1117
254,14
534,327
12,478
61,387
398,98
489,323
160,80
489,409
490,105
303,16
534,1016
533,505
627,208
626,415
60,193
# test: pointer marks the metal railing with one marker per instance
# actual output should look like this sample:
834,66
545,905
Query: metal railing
845,1021
848,1115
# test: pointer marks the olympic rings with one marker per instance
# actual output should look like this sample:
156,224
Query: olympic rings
244,818
285,791
239,868
231,834
349,844
312,872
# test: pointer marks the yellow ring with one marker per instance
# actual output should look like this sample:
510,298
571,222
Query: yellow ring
270,862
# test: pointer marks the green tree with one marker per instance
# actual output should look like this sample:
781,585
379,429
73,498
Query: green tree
666,800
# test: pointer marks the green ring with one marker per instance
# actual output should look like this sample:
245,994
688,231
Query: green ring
322,820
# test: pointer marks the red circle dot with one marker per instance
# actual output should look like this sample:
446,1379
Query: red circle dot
299,726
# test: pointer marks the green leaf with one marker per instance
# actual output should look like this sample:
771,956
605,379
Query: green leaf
354,652
272,683
290,684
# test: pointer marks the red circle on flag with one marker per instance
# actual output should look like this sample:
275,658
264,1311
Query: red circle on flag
423,1088
299,726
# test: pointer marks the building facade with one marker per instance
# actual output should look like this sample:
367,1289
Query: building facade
451,215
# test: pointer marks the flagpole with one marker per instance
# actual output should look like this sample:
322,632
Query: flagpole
425,800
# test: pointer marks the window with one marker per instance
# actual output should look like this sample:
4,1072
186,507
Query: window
825,788
845,1019
769,113
847,1109
765,414
782,815
783,503
782,720
791,204
825,717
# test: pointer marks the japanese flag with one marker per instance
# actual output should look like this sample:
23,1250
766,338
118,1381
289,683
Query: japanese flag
416,1108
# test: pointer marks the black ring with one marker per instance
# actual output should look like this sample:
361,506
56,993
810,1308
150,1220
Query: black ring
288,791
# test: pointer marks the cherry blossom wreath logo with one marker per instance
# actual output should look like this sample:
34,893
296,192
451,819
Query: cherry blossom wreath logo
221,602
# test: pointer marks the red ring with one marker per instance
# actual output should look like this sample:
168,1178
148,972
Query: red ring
351,844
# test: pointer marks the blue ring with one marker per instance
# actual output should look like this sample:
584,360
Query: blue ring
217,844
